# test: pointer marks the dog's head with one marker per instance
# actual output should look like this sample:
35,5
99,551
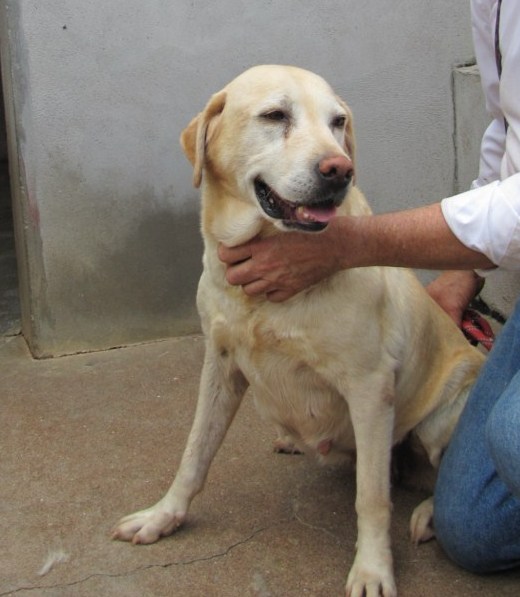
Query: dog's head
279,138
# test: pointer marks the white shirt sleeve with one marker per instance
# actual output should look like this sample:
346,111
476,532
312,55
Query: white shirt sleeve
487,218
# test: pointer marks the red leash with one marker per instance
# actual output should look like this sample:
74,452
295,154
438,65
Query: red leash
477,329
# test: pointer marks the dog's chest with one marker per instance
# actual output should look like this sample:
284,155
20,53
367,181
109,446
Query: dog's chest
281,360
262,338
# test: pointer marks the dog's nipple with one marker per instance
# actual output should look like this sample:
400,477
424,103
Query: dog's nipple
324,446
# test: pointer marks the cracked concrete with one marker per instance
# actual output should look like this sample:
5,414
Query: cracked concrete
88,438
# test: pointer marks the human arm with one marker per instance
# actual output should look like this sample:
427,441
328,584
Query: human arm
453,290
499,158
283,265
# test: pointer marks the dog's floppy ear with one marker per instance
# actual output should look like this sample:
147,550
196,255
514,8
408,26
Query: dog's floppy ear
195,137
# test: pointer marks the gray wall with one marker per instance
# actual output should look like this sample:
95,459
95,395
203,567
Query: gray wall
97,94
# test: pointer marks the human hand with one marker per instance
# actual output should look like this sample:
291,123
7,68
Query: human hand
281,266
454,290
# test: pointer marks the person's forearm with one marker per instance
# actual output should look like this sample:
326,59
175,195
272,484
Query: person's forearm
283,265
418,238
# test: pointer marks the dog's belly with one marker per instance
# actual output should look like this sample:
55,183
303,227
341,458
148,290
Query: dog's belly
301,404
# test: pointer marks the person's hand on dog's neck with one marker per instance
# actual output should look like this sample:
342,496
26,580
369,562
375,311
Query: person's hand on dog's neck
284,265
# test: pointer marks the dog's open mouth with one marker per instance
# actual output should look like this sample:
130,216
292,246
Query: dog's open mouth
312,217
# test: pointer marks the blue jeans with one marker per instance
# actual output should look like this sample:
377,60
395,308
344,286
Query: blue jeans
477,497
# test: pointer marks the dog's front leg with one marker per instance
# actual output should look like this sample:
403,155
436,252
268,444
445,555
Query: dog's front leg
372,414
221,391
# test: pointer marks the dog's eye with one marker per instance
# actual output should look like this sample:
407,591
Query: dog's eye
276,115
338,122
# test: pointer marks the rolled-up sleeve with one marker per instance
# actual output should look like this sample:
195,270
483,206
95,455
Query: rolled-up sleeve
487,219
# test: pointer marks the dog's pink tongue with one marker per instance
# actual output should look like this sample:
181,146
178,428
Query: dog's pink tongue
315,214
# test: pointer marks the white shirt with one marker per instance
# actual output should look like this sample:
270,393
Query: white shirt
487,218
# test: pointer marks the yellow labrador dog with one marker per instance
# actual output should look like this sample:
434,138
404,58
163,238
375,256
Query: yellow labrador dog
350,366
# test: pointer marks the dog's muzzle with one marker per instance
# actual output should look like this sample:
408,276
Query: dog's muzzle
310,216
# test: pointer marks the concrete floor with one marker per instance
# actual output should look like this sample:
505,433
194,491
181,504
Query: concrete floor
86,439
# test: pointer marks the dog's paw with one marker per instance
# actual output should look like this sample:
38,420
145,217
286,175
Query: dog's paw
421,523
148,526
368,581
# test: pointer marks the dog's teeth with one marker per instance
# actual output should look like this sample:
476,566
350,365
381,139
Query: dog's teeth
302,213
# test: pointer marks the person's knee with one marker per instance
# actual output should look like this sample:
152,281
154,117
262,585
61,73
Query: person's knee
453,535
459,531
